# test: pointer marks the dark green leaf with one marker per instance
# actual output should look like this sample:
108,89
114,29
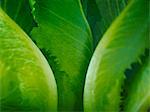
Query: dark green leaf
20,12
100,15
65,38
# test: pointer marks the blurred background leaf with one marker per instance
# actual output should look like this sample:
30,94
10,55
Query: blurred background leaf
20,12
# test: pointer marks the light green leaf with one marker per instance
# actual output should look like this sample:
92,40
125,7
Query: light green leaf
138,95
100,15
65,38
120,46
20,12
26,80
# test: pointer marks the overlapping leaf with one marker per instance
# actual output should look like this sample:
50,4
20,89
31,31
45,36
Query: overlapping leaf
100,15
65,38
20,12
121,45
25,76
138,88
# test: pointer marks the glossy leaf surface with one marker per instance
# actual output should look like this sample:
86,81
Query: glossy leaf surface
26,80
121,45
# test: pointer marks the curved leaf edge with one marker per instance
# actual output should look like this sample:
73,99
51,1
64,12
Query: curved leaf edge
130,73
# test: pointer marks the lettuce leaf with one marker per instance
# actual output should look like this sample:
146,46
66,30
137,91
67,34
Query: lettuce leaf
138,89
65,39
121,45
26,80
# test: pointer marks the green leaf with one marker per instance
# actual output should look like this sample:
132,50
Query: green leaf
100,15
65,38
138,95
26,80
20,12
121,45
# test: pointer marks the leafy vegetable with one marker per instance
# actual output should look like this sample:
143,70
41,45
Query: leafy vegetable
118,74
138,96
26,80
20,12
101,13
65,38
120,46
